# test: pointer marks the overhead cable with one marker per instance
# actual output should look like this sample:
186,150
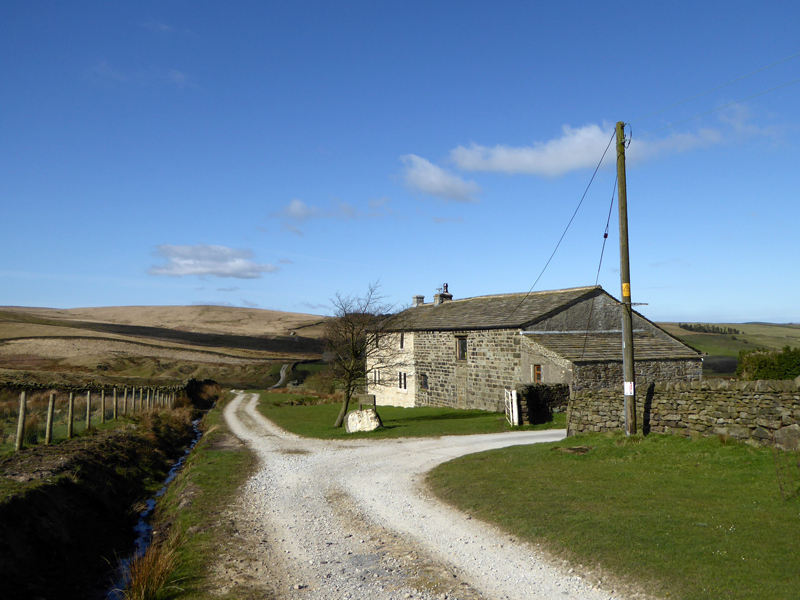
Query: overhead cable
721,107
719,87
597,168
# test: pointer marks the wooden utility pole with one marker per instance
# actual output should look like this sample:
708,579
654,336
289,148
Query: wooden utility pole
629,377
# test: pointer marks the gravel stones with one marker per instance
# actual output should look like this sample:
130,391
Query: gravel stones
319,522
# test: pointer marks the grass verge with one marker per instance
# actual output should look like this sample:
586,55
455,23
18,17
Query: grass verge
680,518
196,504
303,416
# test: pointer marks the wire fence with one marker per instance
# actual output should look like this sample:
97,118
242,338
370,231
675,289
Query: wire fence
30,417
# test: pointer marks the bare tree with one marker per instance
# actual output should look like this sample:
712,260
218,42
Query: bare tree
359,339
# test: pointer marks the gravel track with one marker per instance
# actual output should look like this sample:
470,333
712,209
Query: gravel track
348,520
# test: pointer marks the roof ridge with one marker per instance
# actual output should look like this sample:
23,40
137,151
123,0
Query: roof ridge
512,294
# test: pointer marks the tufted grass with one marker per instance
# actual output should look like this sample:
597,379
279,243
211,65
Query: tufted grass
676,518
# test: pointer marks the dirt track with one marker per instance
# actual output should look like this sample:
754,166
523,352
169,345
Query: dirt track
325,520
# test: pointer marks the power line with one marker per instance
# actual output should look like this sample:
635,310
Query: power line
720,87
597,168
720,107
597,278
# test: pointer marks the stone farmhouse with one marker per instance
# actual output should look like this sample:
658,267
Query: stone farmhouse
465,353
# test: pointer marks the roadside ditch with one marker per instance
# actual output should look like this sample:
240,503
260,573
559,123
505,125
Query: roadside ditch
68,511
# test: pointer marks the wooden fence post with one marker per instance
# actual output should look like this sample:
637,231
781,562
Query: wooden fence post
125,401
103,405
115,403
88,409
148,399
70,414
141,406
21,421
51,407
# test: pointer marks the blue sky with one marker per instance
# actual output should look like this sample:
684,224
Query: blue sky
272,154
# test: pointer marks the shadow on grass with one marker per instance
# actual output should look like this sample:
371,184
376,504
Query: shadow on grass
445,417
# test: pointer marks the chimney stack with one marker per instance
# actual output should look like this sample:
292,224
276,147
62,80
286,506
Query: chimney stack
417,300
442,297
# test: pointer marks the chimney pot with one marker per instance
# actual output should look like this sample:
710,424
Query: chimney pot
442,297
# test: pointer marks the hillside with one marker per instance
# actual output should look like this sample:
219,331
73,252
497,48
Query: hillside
237,346
722,349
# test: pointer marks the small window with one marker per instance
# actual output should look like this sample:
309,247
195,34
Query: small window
423,381
537,373
461,348
376,377
402,380
402,340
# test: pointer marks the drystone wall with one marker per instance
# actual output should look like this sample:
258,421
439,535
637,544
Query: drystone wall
756,412
597,375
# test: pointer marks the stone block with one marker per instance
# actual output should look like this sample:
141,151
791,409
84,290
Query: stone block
788,438
768,423
760,434
739,433
362,420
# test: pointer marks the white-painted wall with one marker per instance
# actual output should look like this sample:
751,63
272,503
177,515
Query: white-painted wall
388,391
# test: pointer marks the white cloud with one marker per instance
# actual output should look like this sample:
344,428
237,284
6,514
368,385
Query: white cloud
292,229
204,259
177,77
677,143
158,27
582,147
377,203
300,211
104,70
311,306
424,176
576,149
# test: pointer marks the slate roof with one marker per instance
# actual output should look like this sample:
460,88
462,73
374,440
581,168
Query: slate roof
502,311
607,346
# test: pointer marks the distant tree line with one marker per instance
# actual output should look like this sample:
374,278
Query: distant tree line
700,328
769,364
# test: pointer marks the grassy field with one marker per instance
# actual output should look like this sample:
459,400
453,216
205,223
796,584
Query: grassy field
687,519
301,414
751,336
722,349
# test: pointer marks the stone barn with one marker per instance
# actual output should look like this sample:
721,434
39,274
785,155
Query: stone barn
466,353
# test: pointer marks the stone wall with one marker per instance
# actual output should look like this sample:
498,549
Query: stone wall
492,364
756,412
594,376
